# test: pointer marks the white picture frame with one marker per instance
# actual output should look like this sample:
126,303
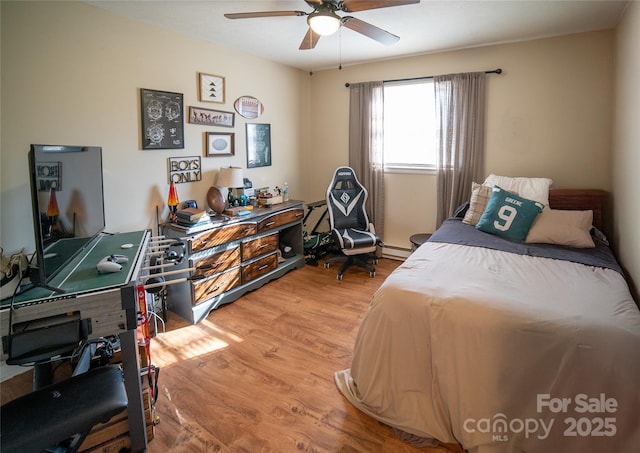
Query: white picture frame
211,88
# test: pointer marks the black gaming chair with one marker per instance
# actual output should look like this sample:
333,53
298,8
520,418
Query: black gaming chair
350,227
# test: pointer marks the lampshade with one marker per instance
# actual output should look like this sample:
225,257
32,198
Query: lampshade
230,177
324,23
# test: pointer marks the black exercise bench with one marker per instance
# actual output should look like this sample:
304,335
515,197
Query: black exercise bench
58,417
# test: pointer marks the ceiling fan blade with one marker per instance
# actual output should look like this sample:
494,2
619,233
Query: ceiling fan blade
310,40
352,6
371,31
264,14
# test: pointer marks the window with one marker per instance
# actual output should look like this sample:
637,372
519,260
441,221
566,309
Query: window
409,126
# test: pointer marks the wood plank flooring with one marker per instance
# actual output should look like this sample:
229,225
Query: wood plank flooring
257,374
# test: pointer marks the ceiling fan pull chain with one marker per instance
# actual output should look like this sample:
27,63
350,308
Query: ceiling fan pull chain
340,49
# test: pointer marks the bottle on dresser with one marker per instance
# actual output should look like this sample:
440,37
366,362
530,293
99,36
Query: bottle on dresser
285,192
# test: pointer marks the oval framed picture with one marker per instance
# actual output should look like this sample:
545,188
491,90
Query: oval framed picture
248,107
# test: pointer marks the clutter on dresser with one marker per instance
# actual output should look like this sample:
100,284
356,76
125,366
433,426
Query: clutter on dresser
192,217
266,198
215,200
239,210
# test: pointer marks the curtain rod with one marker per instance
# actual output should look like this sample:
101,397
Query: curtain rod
495,71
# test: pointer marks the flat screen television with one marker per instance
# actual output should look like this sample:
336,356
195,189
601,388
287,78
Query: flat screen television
68,205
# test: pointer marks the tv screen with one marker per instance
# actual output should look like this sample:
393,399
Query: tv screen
68,204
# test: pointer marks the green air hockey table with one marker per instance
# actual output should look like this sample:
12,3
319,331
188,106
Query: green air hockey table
108,301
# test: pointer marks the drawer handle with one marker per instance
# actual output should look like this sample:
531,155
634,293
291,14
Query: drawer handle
212,265
298,214
269,223
248,230
261,246
217,287
263,267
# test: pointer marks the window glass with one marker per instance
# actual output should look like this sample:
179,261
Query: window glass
409,125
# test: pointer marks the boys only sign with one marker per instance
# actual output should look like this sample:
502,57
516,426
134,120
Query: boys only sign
184,169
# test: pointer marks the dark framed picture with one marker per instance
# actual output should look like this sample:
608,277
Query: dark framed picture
211,87
48,176
219,144
258,145
162,115
209,117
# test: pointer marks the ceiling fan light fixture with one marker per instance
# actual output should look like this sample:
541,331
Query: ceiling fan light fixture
324,23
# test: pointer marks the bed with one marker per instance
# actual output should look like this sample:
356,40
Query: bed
504,346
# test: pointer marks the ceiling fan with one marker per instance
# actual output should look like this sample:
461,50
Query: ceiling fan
324,20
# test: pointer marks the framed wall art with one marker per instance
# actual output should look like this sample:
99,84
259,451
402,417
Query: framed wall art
48,176
162,119
211,87
209,117
184,169
219,144
258,145
249,107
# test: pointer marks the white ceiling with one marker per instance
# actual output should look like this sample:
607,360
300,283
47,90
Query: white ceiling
429,26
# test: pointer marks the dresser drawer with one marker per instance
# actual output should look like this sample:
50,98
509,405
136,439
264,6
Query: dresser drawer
281,218
259,246
218,262
259,267
218,284
222,235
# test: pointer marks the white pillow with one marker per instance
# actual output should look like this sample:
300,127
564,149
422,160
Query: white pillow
536,189
560,227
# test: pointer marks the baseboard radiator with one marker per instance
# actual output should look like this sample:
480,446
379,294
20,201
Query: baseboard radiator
395,253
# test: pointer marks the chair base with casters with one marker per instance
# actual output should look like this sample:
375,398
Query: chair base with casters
363,249
351,260
57,418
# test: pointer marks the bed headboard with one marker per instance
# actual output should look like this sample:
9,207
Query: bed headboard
582,200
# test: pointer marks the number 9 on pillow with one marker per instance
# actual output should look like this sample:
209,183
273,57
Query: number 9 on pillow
508,215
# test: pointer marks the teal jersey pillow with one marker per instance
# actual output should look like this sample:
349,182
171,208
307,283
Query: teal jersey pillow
508,215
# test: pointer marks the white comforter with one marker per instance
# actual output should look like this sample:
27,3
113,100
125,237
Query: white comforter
501,353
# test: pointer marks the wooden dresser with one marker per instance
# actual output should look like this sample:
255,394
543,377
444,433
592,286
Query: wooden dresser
233,257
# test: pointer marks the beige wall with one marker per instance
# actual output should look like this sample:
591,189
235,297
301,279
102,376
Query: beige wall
548,114
626,145
71,74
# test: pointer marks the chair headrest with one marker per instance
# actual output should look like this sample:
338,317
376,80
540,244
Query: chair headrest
345,178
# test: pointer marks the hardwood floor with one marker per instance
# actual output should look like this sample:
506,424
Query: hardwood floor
257,374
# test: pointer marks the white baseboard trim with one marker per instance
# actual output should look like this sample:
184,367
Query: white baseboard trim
395,253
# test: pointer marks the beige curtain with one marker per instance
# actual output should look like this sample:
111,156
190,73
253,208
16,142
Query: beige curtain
366,107
460,121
